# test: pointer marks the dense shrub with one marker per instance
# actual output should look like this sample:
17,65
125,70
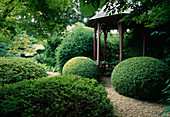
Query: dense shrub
79,42
81,66
157,44
59,96
49,57
132,44
4,51
14,69
112,48
140,77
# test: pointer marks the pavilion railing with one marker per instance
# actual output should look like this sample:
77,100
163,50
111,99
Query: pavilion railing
106,67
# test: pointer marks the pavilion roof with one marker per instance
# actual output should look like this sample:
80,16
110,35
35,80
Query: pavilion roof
109,21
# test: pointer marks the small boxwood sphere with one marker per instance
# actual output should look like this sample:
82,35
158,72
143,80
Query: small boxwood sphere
140,77
14,69
81,66
59,96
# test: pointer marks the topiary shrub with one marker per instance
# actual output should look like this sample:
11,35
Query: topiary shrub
14,69
81,66
140,77
79,42
59,96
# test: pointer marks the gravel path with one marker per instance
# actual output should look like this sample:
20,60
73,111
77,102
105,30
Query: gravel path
129,107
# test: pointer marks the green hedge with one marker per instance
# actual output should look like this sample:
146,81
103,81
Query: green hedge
14,69
140,77
59,96
79,42
81,66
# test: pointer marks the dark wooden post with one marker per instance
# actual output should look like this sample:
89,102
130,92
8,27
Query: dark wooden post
98,48
120,28
94,45
105,37
144,42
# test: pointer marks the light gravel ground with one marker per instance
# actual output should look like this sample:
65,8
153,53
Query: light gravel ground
129,107
50,74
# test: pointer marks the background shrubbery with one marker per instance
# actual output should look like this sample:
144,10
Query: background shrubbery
157,44
81,66
14,69
140,77
62,96
48,57
79,42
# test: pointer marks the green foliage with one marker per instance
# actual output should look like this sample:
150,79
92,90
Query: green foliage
81,66
4,50
88,8
151,13
167,98
79,42
21,45
133,44
112,48
14,69
51,45
160,44
37,18
140,77
60,96
49,56
157,44
73,12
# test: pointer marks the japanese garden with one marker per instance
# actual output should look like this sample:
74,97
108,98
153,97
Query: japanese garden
84,58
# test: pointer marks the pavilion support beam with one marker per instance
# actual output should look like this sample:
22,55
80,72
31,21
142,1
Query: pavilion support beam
98,48
144,42
105,37
120,28
95,45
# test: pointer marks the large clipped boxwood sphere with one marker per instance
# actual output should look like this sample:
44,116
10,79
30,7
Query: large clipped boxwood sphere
140,77
81,66
59,96
14,69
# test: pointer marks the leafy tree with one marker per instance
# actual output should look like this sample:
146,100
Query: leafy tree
150,12
22,43
38,18
89,7
73,12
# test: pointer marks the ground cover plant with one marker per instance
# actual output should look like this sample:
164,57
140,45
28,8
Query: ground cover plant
167,98
140,77
61,96
81,66
15,69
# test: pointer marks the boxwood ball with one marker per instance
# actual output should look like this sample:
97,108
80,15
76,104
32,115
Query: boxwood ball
15,69
140,77
81,66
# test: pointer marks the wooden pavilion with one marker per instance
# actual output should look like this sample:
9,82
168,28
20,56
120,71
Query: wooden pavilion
103,23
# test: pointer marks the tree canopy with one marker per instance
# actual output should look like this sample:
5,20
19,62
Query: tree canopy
150,12
36,17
